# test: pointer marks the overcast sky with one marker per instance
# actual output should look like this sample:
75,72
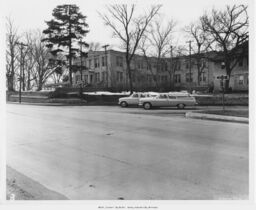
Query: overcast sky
31,14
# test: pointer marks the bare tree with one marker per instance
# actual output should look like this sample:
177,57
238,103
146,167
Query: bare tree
95,46
29,61
227,30
11,54
129,29
157,41
45,64
200,46
56,77
176,55
161,37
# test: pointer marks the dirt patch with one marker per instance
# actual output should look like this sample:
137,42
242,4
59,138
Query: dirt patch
13,191
21,187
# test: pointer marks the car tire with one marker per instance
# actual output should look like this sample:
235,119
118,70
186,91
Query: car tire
181,106
123,104
147,105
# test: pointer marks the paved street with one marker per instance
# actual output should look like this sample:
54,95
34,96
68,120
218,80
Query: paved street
104,152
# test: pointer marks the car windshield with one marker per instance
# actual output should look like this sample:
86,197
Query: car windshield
172,97
144,95
162,96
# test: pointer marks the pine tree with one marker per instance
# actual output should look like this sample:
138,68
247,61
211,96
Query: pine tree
64,32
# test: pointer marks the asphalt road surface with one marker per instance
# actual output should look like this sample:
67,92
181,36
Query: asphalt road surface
109,153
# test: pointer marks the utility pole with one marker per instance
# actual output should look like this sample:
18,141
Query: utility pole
105,48
171,68
189,65
22,74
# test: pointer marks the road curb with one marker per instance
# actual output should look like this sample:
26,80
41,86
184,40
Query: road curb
216,117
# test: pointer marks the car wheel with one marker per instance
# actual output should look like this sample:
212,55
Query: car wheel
147,105
181,106
123,104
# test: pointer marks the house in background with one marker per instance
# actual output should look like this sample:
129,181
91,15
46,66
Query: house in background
239,78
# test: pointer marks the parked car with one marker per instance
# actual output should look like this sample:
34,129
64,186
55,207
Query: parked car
168,100
134,98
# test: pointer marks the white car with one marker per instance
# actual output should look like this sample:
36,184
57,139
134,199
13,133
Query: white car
134,99
168,100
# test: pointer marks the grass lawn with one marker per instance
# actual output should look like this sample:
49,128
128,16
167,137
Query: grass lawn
236,113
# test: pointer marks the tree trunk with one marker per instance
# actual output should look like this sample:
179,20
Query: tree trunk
28,82
228,72
198,76
10,79
40,84
23,77
155,80
130,77
171,81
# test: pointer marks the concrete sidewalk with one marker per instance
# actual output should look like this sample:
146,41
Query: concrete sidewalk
203,116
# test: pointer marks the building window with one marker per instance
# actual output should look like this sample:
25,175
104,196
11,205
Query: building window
162,67
149,78
96,63
177,78
97,77
203,63
78,78
86,78
166,67
178,65
119,76
202,77
140,65
155,65
119,61
241,80
103,76
103,61
164,78
148,66
240,63
222,65
187,65
189,77
133,76
90,63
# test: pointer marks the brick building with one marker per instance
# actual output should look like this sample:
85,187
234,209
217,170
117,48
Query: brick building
107,70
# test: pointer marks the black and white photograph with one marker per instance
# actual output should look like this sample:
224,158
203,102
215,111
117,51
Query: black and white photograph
128,100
